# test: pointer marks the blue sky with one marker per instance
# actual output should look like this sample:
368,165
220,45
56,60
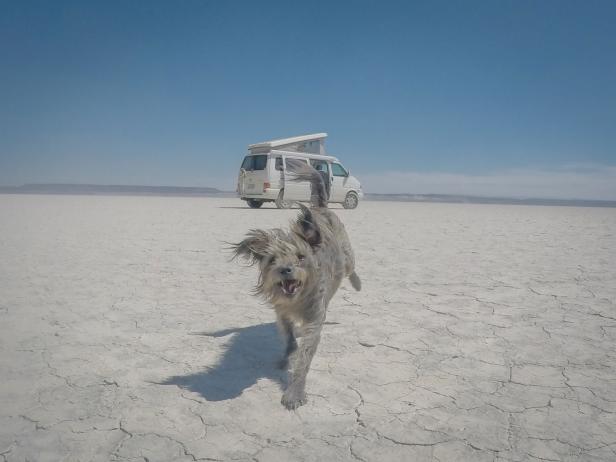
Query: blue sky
514,98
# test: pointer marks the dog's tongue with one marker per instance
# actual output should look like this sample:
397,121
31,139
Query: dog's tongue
290,286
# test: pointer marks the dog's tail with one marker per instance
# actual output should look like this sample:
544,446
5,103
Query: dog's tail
355,281
304,172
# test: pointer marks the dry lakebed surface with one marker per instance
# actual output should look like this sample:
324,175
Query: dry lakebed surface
483,333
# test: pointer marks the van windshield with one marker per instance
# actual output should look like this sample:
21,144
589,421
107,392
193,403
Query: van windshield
254,163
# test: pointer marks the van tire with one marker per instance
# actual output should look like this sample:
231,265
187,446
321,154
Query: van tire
254,204
350,201
281,203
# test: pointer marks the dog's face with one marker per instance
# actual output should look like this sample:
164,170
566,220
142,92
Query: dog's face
286,268
286,260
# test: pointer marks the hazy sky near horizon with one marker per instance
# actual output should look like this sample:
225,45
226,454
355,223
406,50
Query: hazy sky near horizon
508,98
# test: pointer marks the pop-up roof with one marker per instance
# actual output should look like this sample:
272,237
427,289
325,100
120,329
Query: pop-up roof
289,141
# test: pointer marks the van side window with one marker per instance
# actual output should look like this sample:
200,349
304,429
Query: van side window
338,170
320,165
291,160
278,164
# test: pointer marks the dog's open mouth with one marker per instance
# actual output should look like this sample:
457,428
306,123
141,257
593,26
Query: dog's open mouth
290,286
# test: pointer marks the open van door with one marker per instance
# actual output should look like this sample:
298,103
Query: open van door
339,182
294,190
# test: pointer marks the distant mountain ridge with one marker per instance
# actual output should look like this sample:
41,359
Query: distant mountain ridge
460,199
95,189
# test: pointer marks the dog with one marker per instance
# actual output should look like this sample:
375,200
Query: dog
300,271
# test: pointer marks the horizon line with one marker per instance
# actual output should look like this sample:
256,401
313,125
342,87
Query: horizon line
56,188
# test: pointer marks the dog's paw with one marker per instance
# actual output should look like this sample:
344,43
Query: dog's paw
292,399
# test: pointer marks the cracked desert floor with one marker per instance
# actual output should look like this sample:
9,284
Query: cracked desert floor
483,333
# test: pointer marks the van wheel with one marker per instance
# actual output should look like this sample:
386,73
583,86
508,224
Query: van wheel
281,203
254,204
350,201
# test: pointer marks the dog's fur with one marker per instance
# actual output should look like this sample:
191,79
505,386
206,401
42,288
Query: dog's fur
300,271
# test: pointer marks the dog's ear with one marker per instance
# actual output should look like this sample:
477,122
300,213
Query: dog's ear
254,247
307,227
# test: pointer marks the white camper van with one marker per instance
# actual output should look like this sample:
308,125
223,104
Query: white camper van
264,176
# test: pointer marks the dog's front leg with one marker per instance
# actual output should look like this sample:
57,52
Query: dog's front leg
295,394
285,326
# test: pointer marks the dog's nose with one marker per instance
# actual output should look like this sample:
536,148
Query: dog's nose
286,270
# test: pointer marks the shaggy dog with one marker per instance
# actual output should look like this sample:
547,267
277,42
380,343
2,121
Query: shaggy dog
300,271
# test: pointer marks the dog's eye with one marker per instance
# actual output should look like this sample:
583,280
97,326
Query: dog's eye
301,257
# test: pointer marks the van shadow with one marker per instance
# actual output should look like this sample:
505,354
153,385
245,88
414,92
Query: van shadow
251,354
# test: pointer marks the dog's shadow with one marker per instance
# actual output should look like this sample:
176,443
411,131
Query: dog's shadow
252,353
